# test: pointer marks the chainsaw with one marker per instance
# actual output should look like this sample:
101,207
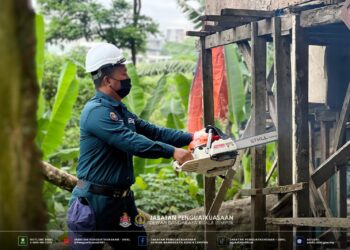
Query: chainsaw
220,151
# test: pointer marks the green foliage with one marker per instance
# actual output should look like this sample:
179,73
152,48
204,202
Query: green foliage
165,193
236,92
74,19
181,51
135,100
167,67
193,12
52,130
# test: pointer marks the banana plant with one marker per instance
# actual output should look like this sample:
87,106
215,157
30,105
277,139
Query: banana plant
51,123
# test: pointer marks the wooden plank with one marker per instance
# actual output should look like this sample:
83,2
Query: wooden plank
341,123
325,115
226,184
273,190
214,7
258,116
208,108
272,170
327,168
247,13
233,20
283,207
215,28
300,130
322,16
199,33
311,222
282,79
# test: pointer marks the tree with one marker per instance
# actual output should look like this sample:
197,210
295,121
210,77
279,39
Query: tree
119,23
21,204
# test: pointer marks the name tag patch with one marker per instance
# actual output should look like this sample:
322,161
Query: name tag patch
131,121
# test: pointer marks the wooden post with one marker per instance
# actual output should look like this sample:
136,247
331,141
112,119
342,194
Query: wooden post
282,70
208,107
258,116
341,185
300,131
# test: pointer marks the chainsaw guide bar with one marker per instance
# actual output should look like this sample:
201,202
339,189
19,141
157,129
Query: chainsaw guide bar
216,157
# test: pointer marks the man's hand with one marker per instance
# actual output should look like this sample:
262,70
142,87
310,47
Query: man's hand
182,155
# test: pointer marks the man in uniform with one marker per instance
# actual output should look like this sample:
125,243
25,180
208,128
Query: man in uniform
102,206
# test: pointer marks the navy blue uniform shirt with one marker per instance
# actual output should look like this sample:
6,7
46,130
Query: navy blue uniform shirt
110,135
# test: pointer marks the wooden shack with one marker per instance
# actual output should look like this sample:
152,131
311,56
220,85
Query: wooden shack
310,110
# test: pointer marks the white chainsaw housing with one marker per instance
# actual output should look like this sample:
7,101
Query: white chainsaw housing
221,157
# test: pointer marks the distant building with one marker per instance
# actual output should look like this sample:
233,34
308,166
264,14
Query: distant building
175,35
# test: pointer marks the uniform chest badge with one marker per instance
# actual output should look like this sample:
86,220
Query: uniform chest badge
113,116
124,220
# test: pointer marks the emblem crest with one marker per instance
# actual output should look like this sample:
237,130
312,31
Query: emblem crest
113,116
140,220
124,220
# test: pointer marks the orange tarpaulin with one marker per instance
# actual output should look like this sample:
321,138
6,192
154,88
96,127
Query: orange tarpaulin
220,89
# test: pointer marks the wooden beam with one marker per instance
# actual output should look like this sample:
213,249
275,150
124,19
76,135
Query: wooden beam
208,108
325,115
199,33
311,222
258,116
214,7
328,168
283,206
215,28
231,19
322,16
282,69
283,103
247,13
272,170
341,175
300,130
273,190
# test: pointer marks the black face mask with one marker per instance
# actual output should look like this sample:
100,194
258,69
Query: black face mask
125,87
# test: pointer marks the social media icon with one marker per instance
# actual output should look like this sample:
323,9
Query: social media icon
142,240
22,241
300,241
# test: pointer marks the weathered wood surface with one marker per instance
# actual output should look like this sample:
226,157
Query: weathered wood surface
213,7
311,222
58,177
271,171
22,207
300,128
328,168
310,18
208,110
258,116
273,190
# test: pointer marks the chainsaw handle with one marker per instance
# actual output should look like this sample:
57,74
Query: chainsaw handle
215,131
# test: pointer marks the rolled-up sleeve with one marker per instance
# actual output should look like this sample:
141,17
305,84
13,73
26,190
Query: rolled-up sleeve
176,138
114,132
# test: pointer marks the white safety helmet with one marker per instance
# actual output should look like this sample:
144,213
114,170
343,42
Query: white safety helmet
103,54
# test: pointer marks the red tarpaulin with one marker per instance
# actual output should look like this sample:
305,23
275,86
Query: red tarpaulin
220,88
